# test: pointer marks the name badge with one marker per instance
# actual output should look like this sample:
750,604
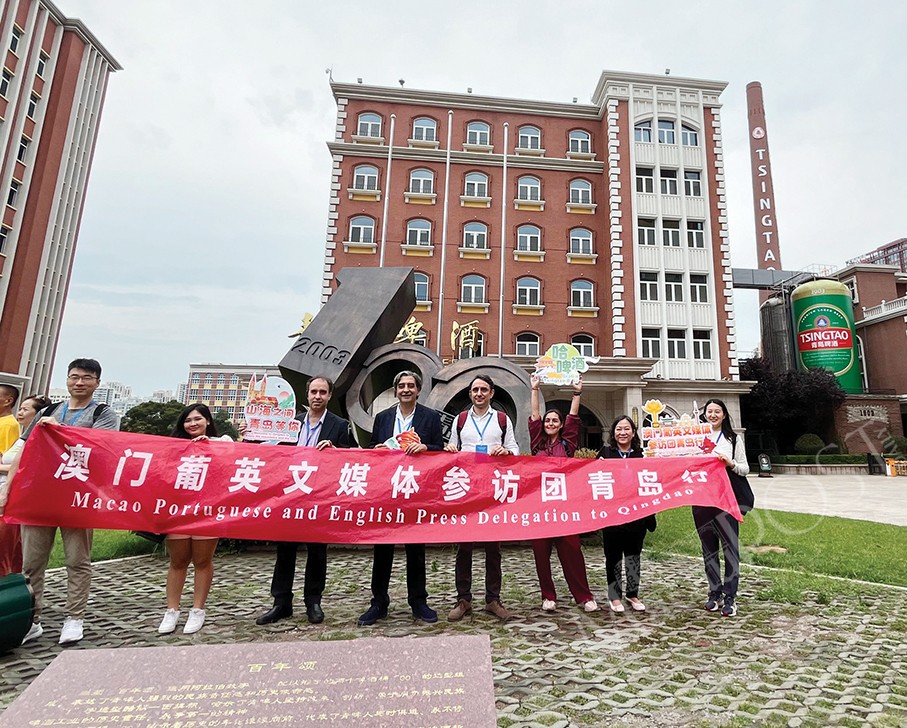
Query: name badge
482,449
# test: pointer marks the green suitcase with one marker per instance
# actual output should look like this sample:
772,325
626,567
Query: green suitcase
17,608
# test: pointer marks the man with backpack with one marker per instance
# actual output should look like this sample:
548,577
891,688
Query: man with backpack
80,410
481,429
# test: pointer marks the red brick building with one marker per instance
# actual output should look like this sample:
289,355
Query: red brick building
52,89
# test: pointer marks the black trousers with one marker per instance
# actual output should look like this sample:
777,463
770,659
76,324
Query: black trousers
719,530
382,565
623,546
493,576
316,572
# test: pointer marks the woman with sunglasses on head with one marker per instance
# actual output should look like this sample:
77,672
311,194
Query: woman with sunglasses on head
717,528
194,423
554,436
623,543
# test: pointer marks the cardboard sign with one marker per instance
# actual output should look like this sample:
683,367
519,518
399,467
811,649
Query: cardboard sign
270,411
562,364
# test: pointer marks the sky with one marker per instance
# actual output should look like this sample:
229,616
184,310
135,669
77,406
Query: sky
202,238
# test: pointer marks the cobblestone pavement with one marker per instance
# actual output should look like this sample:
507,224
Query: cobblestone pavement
836,663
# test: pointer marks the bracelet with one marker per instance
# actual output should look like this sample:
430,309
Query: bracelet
577,394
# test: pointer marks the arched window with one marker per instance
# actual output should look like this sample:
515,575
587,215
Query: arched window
581,294
422,287
580,192
665,131
475,235
528,239
527,344
425,129
234,380
478,349
472,289
584,344
530,137
476,185
528,292
365,177
362,230
581,241
422,180
689,137
418,232
580,142
369,125
642,132
478,132
529,188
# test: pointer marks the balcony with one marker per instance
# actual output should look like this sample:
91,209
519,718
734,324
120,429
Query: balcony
885,308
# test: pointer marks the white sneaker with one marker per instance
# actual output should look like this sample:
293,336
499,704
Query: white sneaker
590,606
195,621
168,623
548,605
35,631
71,632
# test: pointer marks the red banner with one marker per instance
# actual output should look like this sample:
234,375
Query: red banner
84,478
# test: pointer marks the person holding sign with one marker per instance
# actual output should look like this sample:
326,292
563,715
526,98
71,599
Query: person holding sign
717,527
556,437
414,429
623,543
481,429
194,423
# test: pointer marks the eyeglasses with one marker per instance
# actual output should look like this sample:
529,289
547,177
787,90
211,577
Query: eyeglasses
81,378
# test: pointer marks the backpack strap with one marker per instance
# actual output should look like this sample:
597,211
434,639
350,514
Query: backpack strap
502,423
461,421
98,411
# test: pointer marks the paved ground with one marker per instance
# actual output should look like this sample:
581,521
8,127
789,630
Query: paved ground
836,659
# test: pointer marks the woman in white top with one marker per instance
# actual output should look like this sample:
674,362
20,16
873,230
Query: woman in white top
194,423
718,528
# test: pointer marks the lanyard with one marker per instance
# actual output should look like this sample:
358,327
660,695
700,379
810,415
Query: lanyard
311,433
717,439
624,455
402,425
76,413
475,424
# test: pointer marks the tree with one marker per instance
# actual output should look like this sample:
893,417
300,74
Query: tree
789,403
156,418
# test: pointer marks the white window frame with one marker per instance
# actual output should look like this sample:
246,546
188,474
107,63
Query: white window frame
15,187
692,184
478,133
418,232
529,137
650,343
645,180
528,239
579,141
528,292
475,238
582,294
648,285
363,175
369,125
33,102
472,289
476,187
43,58
22,153
667,133
670,233
667,181
422,181
466,353
5,231
699,288
422,283
362,229
14,40
695,235
529,189
6,80
646,234
580,192
677,344
674,287
642,131
528,344
702,344
689,137
425,129
581,241
584,343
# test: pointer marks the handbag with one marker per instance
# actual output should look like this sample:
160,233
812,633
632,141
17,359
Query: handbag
746,500
150,536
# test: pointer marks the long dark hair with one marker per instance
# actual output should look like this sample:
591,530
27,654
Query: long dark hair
179,429
635,443
727,428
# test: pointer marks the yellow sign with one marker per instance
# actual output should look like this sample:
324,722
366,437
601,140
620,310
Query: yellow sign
306,320
410,332
464,336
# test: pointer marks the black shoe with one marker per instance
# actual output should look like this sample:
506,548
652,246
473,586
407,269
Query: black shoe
314,613
714,602
372,615
275,613
425,613
729,609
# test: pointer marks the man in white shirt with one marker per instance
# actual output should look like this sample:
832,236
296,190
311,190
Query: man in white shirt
481,429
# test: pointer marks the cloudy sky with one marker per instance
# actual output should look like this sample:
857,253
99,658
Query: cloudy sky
202,236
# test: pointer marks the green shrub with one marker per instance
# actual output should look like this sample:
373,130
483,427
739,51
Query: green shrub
822,459
896,445
808,444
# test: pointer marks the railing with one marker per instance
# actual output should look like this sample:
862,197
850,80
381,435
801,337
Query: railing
898,304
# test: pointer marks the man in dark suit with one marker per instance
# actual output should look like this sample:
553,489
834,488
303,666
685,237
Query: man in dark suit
320,429
426,423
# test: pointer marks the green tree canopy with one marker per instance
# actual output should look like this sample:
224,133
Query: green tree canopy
156,418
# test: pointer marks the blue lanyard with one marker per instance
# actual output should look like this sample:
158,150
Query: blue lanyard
312,432
75,412
403,425
624,455
719,437
475,424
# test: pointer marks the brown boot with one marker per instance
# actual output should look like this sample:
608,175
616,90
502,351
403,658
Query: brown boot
458,612
498,610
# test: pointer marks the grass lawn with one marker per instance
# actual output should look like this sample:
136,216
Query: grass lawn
108,545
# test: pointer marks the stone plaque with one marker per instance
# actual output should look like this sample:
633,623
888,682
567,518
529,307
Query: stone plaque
428,682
